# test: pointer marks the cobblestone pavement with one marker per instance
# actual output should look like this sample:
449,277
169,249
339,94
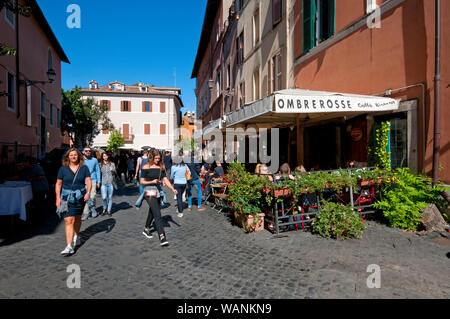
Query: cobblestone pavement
209,257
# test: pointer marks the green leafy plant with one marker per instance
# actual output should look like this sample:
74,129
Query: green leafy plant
405,195
115,141
245,193
337,221
378,147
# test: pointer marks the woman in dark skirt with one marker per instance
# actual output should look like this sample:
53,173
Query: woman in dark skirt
73,185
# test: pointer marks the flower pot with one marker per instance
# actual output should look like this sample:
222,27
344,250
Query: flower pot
285,192
246,220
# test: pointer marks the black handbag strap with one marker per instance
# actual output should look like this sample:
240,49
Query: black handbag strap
74,178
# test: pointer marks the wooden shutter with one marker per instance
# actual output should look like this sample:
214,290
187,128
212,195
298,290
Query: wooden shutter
163,107
269,78
121,106
143,106
309,24
162,129
279,76
126,131
129,106
276,11
109,106
147,129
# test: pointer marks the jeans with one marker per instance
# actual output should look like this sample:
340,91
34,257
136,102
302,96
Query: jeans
141,187
198,185
107,194
154,212
163,196
180,189
87,207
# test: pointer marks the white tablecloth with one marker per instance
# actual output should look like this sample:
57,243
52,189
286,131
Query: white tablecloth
13,198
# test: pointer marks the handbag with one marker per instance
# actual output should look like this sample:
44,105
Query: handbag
153,192
188,174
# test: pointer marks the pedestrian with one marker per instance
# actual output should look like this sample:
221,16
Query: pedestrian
73,188
151,176
94,170
194,169
130,169
218,170
107,169
178,175
141,161
168,162
32,172
122,167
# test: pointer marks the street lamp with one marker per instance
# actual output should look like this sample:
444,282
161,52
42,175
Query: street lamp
51,75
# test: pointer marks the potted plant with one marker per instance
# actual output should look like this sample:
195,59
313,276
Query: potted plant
245,194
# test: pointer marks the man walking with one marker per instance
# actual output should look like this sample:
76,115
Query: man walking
194,169
94,168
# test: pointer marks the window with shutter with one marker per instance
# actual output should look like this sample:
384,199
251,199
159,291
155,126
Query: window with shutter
162,107
162,129
126,131
147,129
318,22
276,12
146,106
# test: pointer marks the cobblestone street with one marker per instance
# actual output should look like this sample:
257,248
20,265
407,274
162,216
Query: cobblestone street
209,257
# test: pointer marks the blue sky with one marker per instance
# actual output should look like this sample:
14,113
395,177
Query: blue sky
130,41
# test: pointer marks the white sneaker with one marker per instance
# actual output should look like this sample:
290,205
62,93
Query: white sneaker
76,241
68,251
180,215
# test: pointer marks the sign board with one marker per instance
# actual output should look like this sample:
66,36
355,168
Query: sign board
332,103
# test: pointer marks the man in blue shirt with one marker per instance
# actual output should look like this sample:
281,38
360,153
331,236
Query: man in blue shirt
194,169
94,168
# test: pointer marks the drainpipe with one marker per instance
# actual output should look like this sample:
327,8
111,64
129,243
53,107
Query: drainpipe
437,95
16,6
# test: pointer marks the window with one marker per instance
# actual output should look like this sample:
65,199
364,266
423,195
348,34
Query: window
125,106
162,129
147,129
146,106
42,103
240,48
241,94
218,83
256,27
277,12
9,15
162,107
256,85
11,89
51,114
276,74
318,22
58,118
126,131
106,105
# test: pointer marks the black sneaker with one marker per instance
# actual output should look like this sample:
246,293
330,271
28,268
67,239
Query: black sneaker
147,233
163,241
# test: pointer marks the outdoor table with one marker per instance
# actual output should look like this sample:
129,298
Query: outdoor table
13,198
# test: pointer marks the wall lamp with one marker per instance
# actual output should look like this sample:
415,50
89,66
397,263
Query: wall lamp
51,75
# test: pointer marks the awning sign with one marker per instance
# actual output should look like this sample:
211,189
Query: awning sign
337,103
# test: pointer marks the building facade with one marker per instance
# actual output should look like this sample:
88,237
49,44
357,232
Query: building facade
382,48
146,116
188,126
30,84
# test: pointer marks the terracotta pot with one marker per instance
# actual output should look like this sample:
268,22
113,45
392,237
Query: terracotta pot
285,192
246,220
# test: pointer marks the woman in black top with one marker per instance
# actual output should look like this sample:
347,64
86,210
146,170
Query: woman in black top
151,175
73,184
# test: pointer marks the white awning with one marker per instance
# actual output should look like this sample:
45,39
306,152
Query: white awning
283,107
213,125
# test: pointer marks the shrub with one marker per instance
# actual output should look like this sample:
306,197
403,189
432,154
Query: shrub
337,221
405,195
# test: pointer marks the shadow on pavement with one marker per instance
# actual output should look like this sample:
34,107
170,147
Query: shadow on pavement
104,226
24,231
167,220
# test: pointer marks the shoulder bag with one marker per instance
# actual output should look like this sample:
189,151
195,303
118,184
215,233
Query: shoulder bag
188,174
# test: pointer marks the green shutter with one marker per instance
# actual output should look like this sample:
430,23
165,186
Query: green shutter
309,24
331,17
